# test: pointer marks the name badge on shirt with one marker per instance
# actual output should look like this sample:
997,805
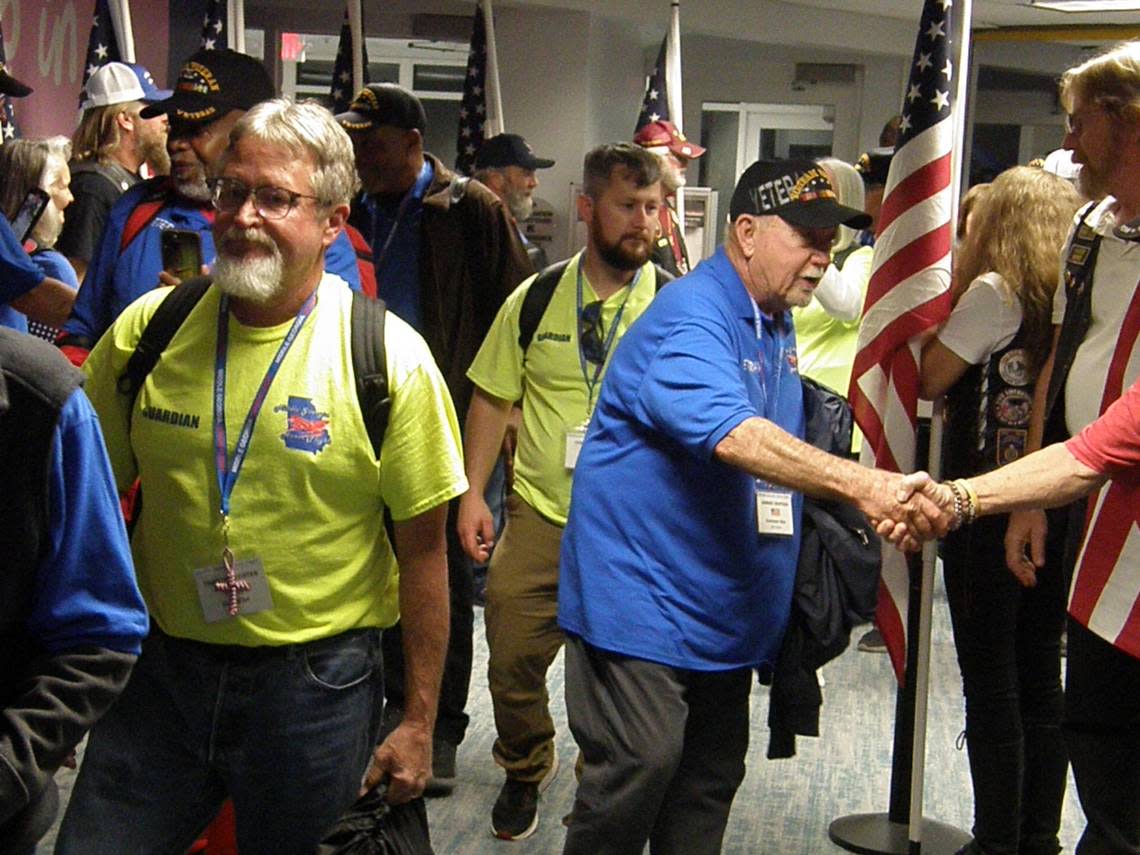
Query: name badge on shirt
215,598
774,512
575,436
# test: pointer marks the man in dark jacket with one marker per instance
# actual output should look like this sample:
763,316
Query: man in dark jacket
71,616
446,256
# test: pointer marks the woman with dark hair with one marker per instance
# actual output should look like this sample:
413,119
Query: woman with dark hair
985,360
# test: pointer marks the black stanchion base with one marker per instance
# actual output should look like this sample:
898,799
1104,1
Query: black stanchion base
876,834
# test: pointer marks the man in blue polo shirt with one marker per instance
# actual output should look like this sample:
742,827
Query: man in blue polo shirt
678,583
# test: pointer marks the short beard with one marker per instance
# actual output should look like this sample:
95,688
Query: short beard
258,279
620,258
521,205
196,189
154,153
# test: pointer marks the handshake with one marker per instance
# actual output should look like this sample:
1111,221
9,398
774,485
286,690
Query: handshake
907,510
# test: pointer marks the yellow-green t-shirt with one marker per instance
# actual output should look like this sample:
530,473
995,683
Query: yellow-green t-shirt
549,379
310,496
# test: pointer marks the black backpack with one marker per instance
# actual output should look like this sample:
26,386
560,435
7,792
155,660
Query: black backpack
541,292
367,345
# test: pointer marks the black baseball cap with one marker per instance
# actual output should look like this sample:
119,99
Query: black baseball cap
874,165
379,104
797,191
10,86
509,150
210,84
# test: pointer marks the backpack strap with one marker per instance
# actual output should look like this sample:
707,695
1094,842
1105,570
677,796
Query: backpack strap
141,217
160,329
369,364
538,297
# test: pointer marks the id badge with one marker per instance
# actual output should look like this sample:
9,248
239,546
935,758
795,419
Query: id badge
215,599
575,436
774,513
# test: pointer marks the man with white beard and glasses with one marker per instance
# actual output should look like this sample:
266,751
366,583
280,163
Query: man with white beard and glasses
261,547
213,91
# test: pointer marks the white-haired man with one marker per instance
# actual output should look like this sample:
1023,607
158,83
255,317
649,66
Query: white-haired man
259,474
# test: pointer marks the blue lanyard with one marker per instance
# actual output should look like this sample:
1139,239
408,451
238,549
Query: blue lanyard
228,469
592,383
767,407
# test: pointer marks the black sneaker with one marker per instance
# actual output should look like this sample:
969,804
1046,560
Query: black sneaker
442,780
515,814
872,642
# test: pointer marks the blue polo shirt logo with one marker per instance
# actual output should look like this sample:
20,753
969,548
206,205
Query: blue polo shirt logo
751,366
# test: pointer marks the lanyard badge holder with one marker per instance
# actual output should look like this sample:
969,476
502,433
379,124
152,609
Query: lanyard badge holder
238,586
576,436
774,515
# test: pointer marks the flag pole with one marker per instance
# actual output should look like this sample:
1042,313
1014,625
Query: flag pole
356,30
235,20
495,123
934,462
121,22
673,83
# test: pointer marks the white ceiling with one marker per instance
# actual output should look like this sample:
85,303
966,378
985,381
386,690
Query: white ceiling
986,13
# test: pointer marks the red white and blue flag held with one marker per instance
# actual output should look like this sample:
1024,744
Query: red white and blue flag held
214,25
908,296
343,87
655,104
481,110
9,130
103,45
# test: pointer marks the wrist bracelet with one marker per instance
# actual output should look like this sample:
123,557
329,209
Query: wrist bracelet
959,512
975,507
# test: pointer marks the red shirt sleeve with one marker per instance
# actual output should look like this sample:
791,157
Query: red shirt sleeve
1111,444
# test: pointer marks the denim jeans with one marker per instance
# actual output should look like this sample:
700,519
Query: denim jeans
286,732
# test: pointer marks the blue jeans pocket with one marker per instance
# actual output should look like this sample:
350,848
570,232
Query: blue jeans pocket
343,662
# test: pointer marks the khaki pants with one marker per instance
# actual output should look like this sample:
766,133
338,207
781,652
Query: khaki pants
523,638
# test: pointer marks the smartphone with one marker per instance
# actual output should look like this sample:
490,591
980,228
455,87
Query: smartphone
31,209
182,253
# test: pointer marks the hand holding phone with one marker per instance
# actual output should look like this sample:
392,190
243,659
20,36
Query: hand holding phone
182,253
31,209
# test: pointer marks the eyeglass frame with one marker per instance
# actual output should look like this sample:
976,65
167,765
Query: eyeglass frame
216,184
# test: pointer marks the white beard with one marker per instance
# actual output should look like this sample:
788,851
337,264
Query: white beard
257,279
196,190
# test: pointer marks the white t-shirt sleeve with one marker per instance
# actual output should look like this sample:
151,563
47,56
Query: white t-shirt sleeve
985,320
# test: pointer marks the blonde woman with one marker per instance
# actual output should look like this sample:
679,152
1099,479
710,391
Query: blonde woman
985,361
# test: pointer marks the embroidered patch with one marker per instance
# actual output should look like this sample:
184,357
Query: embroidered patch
1010,445
1012,408
305,428
1014,367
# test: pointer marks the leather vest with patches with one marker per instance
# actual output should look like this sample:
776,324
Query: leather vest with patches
987,413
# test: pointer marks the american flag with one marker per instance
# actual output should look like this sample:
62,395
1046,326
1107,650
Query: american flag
473,108
655,105
9,130
103,44
342,88
214,25
909,290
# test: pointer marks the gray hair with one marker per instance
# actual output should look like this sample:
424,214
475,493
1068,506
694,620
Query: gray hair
306,129
849,189
23,165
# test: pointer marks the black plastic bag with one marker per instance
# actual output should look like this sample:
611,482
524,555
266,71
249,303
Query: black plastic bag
374,827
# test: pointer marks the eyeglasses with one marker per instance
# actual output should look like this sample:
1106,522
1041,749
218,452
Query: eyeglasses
272,203
1075,122
590,333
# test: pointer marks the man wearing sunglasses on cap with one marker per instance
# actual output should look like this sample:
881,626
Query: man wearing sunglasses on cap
680,549
593,299
214,89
